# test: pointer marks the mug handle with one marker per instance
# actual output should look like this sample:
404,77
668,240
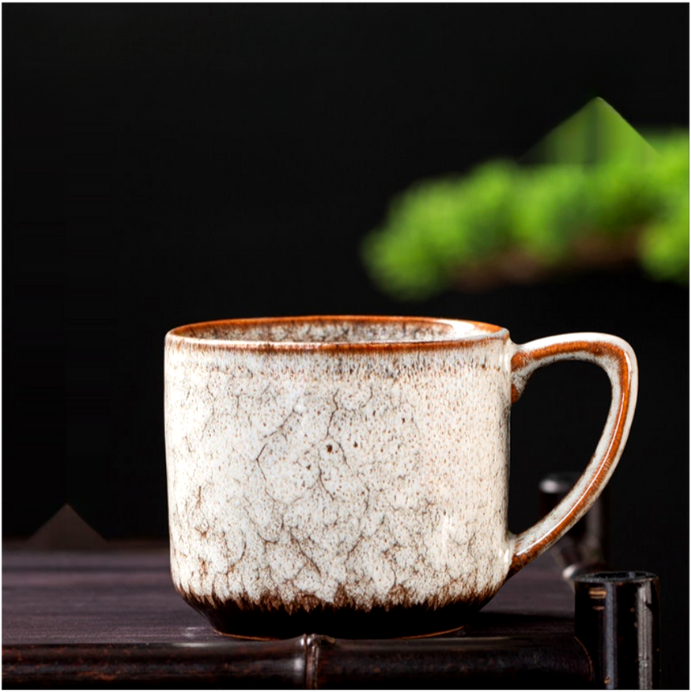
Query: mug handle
618,360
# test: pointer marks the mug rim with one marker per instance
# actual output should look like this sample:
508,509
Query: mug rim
481,332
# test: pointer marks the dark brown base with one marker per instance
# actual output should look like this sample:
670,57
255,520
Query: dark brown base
398,622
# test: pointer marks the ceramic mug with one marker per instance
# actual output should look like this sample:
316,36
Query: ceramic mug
349,475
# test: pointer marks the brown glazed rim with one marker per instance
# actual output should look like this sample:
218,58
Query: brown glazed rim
185,334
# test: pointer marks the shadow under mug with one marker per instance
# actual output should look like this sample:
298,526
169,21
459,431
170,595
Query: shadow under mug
348,475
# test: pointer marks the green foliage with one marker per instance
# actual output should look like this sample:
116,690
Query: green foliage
413,262
549,211
437,227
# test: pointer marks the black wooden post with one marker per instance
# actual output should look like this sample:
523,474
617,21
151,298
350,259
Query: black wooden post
617,621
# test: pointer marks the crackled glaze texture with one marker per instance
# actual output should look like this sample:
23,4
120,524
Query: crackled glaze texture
332,465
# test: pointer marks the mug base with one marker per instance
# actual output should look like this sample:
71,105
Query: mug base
397,622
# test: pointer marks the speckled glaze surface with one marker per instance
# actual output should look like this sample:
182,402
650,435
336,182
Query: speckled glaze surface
325,468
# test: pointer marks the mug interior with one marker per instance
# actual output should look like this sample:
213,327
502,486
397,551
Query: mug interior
337,330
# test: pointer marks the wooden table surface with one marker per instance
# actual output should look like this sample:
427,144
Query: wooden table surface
111,618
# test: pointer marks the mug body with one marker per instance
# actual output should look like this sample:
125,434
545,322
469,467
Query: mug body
345,475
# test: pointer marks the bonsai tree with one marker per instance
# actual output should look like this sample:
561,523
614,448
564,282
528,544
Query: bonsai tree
593,193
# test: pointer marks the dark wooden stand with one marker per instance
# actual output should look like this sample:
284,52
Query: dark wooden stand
110,618
113,619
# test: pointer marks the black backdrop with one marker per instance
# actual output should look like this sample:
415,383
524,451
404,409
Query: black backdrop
173,163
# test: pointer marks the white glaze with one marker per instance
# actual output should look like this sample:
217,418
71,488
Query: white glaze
383,474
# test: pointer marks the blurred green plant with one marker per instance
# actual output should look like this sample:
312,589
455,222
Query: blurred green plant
626,201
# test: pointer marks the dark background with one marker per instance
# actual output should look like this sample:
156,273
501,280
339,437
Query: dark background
165,164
